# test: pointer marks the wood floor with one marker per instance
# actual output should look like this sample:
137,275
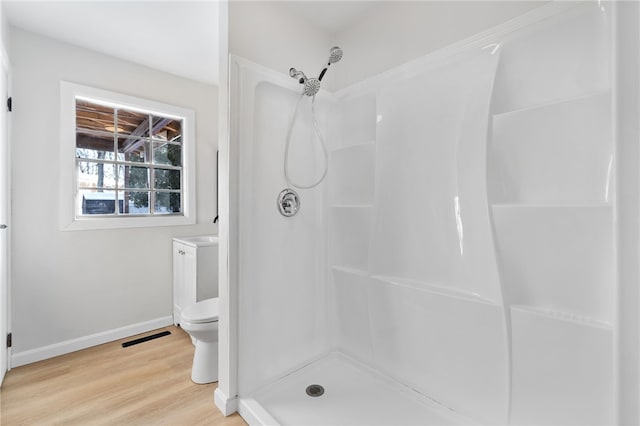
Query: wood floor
144,384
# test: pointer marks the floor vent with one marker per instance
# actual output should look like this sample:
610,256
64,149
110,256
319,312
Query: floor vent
145,339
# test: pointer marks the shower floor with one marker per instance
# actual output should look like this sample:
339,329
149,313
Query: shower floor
353,395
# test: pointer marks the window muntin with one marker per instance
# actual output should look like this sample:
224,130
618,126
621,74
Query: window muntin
130,156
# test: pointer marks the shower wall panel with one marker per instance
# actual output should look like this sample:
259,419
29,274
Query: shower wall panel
560,58
559,375
512,142
282,316
448,346
551,162
431,216
568,252
554,153
349,234
415,284
352,320
356,120
351,175
462,245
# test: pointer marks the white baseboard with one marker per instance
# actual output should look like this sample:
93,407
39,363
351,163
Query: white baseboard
50,351
225,405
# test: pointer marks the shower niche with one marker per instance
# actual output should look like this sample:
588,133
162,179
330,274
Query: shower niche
459,260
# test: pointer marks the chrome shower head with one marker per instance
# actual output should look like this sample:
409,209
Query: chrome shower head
311,86
335,54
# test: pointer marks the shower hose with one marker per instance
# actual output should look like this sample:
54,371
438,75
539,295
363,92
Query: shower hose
316,128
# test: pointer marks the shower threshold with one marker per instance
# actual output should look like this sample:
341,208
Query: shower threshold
353,395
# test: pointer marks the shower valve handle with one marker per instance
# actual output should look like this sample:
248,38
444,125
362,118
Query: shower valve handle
288,202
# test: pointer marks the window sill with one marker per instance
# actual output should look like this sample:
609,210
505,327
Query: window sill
90,223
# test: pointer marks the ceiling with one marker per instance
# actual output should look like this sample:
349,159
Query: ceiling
178,37
328,15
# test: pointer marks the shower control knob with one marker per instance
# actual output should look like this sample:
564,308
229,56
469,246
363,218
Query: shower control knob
288,202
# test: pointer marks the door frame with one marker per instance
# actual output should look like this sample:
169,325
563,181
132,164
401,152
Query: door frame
5,305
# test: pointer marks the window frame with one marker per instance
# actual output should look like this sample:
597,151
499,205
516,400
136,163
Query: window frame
69,219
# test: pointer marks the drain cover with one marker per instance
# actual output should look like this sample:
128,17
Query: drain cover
315,390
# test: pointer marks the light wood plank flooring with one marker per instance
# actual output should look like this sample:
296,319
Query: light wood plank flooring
144,384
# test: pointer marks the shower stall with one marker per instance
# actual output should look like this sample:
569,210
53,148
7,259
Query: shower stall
464,262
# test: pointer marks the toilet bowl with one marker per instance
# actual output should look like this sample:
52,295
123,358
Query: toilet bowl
200,320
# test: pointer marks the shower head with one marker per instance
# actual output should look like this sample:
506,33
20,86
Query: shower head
311,86
335,54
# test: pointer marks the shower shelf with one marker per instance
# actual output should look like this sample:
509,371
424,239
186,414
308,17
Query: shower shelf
531,240
558,152
359,145
436,289
552,103
554,205
352,206
418,285
564,316
350,270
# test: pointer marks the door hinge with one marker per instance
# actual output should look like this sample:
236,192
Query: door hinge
10,104
9,340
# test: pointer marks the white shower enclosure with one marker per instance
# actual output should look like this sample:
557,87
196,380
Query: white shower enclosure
460,264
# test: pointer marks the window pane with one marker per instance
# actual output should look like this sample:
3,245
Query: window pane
96,175
136,202
92,146
98,202
167,179
127,162
167,129
93,116
135,177
167,153
167,202
133,149
133,123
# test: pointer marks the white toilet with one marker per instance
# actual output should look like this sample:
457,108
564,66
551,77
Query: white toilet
200,320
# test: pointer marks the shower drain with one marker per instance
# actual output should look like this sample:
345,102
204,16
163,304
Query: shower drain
315,390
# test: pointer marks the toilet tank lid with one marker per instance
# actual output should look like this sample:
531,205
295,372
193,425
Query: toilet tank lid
203,311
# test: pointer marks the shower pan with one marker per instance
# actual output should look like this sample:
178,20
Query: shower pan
458,264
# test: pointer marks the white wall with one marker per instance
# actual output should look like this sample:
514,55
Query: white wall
67,285
4,25
627,91
387,34
394,32
270,34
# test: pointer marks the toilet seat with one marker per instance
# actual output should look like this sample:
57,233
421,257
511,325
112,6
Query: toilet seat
202,312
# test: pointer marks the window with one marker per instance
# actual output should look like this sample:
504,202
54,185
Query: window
128,156
133,160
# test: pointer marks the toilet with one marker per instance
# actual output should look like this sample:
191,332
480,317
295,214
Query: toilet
200,320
